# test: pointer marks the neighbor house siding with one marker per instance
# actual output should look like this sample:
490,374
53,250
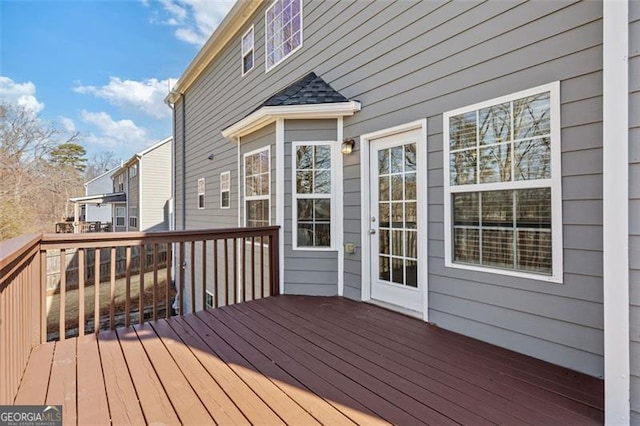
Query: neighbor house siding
102,212
125,177
634,206
155,185
312,272
412,60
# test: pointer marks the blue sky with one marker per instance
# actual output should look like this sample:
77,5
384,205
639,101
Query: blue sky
102,68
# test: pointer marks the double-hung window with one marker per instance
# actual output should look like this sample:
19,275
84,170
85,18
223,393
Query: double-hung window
247,51
201,193
257,187
502,185
133,217
312,193
120,183
133,171
225,190
121,212
283,30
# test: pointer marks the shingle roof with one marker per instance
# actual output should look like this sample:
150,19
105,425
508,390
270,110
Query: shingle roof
310,89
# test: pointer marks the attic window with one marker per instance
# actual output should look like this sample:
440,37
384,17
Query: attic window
283,31
247,51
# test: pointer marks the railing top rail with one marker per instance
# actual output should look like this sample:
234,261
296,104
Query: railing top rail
16,250
133,238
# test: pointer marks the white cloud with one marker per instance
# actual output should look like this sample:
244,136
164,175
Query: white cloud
67,124
195,20
23,94
146,96
114,134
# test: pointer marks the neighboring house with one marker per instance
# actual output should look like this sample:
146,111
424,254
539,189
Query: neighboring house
146,180
98,212
473,198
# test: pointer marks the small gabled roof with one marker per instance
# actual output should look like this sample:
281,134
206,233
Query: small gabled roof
309,97
310,89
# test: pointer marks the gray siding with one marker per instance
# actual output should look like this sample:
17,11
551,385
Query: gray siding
634,205
155,185
410,60
306,272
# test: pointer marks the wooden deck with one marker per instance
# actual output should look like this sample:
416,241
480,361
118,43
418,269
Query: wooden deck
301,360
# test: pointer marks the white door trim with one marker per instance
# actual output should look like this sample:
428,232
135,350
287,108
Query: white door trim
421,153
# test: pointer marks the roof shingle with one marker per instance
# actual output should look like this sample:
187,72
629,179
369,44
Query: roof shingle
310,89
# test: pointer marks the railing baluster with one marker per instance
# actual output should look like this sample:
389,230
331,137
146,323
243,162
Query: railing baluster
226,272
127,295
96,292
81,292
43,296
261,266
142,263
242,286
62,292
181,285
192,268
167,300
235,270
204,274
253,268
215,274
112,296
155,282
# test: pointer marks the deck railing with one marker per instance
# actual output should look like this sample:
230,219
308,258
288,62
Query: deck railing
198,270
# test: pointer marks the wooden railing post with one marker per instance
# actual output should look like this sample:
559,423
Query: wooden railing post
274,259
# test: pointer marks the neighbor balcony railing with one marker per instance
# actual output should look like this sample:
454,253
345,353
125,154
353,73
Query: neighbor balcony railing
55,286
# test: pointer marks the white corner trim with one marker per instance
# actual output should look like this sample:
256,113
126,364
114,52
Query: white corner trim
269,114
338,175
615,211
280,195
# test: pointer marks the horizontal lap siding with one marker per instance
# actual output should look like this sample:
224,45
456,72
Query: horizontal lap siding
634,205
155,184
306,272
410,60
101,212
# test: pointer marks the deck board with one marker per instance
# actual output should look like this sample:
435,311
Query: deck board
301,360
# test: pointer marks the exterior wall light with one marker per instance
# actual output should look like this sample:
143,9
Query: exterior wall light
347,146
210,157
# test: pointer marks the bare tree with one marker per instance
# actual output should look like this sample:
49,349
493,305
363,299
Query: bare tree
100,163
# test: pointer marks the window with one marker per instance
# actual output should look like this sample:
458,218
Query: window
133,170
283,31
247,51
209,299
133,217
119,183
312,194
120,216
201,193
257,184
502,185
225,190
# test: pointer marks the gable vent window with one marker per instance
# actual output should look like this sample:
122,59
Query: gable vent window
247,51
502,185
225,190
283,31
201,193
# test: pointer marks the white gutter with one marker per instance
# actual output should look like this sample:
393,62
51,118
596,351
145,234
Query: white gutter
615,171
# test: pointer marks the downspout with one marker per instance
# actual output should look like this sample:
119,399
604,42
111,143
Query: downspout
184,164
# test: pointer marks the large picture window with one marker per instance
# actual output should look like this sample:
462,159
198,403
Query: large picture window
257,187
312,189
502,185
283,30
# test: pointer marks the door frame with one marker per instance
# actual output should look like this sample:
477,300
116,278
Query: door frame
365,206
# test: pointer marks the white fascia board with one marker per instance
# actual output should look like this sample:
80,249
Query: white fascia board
269,114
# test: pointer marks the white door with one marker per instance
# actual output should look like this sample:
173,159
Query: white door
396,260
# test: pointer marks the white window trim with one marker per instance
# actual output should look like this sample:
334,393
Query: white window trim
227,173
243,54
244,182
203,192
554,183
266,53
335,152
